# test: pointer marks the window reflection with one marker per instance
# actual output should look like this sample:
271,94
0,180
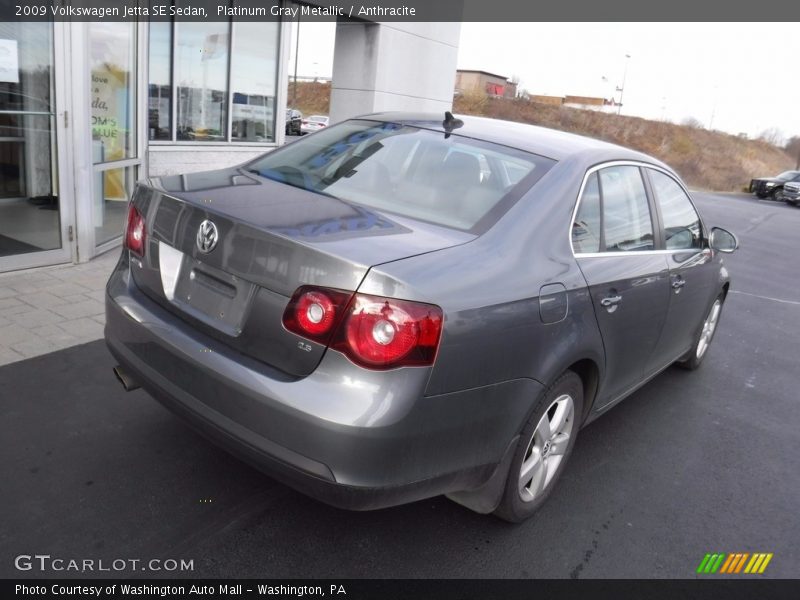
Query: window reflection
626,213
202,66
112,53
253,77
29,204
681,224
159,109
26,87
112,190
193,101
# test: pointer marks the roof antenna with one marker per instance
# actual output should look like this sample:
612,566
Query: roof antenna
450,123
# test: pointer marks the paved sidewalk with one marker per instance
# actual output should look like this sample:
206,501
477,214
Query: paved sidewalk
48,309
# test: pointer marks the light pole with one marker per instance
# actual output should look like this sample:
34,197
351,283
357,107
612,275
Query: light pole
296,54
713,110
621,89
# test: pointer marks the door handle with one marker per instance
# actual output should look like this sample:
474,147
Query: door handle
610,301
678,284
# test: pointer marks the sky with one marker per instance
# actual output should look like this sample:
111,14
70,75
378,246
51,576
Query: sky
727,76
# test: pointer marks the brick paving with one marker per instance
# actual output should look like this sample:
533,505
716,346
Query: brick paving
48,309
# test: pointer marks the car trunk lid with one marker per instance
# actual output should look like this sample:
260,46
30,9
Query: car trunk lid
271,238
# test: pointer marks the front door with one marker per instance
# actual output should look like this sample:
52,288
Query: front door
692,279
36,204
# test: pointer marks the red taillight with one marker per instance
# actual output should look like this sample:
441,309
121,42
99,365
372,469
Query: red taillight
374,332
314,312
135,231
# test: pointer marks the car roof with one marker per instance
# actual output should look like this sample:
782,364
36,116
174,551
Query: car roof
550,143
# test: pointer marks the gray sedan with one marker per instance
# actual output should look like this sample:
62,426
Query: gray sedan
406,305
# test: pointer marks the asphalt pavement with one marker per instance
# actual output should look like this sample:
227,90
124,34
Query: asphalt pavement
692,463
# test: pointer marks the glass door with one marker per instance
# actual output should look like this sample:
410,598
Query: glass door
116,148
35,207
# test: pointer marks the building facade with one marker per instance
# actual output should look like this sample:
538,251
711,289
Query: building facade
88,108
484,82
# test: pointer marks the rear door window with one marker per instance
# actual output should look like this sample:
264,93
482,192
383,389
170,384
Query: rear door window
613,213
627,225
586,228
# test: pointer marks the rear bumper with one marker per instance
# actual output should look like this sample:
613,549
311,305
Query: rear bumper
350,437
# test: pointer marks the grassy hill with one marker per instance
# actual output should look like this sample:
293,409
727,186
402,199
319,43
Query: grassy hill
313,97
709,160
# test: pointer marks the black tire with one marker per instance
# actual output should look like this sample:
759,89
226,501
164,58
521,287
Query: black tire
694,358
776,194
513,507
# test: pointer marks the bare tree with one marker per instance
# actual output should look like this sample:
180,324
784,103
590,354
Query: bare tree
793,149
692,122
773,136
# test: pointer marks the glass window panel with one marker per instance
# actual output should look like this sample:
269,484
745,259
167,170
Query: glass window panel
201,75
112,190
586,228
112,54
626,213
29,206
254,64
681,224
405,170
159,107
25,77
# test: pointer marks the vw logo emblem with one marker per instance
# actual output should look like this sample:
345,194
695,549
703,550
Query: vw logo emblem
207,236
546,448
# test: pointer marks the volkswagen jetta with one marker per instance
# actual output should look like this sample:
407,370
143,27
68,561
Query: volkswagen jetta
402,306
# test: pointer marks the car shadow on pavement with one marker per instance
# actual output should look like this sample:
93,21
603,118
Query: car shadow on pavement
91,471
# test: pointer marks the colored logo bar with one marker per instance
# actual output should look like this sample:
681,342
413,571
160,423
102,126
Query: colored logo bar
737,562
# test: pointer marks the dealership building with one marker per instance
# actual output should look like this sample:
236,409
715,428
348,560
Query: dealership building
88,108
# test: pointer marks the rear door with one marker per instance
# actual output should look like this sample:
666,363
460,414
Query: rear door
691,269
615,244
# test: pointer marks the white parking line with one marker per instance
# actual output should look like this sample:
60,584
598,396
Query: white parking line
766,297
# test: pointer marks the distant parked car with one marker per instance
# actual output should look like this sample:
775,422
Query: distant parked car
294,121
791,192
313,123
772,186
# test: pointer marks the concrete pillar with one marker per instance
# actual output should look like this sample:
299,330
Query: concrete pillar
393,66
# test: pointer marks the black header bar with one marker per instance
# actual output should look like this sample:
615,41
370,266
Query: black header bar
399,10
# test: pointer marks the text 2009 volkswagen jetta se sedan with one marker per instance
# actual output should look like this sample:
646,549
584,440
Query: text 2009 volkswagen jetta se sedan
402,306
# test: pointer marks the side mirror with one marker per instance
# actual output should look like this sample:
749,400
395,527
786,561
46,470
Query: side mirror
723,240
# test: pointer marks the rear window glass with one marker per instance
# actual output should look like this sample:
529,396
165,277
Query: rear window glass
453,181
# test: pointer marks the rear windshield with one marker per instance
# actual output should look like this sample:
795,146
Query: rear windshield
452,180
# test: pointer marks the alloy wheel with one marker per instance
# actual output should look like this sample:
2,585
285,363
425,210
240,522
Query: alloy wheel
709,326
546,448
